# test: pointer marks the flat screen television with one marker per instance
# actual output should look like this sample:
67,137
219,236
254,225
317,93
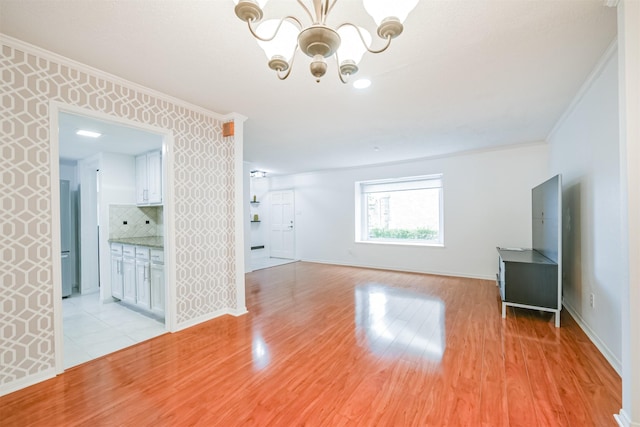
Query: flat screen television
546,205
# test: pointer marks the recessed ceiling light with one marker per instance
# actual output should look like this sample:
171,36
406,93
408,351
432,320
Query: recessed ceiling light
88,133
362,83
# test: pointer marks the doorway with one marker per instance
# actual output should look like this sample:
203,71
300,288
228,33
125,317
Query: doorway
91,323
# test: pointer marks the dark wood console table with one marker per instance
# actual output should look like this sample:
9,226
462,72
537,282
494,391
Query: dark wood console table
528,279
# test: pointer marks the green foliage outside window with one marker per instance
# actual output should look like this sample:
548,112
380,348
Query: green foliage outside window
404,234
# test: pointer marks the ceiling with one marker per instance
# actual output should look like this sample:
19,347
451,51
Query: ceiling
114,138
464,75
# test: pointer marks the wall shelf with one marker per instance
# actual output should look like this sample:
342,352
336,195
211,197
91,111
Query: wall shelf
255,221
254,202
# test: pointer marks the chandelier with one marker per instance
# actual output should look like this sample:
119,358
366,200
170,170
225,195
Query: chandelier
281,38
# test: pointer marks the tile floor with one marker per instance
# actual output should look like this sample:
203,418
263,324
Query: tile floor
92,329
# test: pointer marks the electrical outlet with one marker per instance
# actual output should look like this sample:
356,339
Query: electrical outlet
591,300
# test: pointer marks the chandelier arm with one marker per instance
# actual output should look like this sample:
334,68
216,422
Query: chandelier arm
293,59
364,43
329,8
275,33
306,9
339,73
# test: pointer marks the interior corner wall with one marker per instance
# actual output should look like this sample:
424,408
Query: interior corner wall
584,148
487,203
204,219
246,195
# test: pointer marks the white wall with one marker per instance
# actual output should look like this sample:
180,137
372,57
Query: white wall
487,203
117,186
584,148
69,171
246,169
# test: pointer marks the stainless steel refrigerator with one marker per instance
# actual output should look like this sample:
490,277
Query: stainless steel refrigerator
65,237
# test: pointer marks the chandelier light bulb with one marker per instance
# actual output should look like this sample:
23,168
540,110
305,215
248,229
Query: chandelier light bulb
283,44
351,47
381,9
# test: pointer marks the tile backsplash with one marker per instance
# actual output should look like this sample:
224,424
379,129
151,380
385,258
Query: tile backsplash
141,221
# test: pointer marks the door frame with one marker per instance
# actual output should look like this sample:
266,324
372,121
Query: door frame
55,108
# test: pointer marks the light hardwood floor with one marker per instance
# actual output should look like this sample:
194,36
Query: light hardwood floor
338,346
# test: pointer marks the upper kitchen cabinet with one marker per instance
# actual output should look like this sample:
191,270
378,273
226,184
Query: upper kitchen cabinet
149,178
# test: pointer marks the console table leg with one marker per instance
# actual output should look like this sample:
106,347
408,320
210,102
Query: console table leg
558,319
504,310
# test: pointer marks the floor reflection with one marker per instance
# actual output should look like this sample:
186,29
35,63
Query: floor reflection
396,322
260,353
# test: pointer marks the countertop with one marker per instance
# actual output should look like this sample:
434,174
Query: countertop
151,241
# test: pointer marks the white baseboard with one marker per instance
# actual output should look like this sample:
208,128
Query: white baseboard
384,267
239,311
27,381
623,419
601,346
209,316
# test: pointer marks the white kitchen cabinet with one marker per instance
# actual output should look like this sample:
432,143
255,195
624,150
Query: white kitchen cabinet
137,274
149,178
143,276
129,280
143,284
157,282
116,271
157,288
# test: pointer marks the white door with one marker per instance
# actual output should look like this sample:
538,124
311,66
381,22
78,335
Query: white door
282,225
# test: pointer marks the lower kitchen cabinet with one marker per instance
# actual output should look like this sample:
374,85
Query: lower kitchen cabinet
157,288
137,276
116,270
142,284
129,280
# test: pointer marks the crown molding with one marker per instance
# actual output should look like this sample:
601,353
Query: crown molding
63,60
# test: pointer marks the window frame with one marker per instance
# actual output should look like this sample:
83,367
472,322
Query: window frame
361,218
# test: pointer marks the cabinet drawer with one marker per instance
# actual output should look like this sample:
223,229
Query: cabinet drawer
129,251
142,252
157,256
116,249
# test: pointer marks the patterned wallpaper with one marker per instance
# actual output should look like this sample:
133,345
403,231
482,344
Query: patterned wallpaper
203,191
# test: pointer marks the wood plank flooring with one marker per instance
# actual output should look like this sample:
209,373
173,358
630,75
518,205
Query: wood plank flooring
339,346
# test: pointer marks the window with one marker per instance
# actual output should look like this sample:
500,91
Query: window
403,210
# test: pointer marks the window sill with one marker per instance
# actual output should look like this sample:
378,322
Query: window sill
392,243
